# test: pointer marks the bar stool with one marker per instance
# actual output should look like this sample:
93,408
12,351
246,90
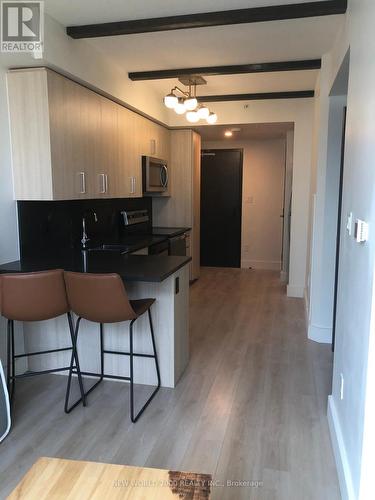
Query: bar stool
102,298
36,297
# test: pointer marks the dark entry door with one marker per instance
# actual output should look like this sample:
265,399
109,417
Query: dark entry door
221,206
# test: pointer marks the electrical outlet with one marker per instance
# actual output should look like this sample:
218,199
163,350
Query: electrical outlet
341,386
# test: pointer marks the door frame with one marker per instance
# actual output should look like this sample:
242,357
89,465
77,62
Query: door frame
239,150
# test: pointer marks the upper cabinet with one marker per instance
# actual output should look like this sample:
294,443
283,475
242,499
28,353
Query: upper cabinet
68,142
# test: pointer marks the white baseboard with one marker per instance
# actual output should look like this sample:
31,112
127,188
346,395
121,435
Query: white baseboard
321,334
261,264
341,458
296,291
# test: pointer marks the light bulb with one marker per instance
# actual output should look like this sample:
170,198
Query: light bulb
203,112
212,118
192,116
170,101
180,107
228,133
190,103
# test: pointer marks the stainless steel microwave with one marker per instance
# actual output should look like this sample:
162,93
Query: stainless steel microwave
154,175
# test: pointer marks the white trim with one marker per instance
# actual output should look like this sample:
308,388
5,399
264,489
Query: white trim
307,308
341,458
261,264
284,276
2,378
296,291
318,333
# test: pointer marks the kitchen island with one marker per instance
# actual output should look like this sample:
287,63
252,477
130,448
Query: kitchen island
165,278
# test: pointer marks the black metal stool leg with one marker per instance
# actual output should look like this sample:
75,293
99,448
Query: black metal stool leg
13,363
74,359
154,346
9,360
133,417
74,370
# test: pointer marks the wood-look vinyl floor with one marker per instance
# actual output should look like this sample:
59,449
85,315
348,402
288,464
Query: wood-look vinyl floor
250,407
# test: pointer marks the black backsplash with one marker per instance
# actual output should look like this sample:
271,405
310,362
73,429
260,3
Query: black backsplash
56,226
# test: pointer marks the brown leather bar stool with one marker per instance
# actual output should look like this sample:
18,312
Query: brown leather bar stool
102,298
37,297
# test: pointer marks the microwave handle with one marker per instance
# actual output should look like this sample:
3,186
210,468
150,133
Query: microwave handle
164,182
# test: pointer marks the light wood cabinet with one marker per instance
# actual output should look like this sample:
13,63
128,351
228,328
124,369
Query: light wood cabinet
182,209
69,142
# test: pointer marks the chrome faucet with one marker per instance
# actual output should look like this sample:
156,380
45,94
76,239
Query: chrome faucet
85,237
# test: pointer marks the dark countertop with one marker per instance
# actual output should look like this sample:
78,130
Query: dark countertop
169,232
148,268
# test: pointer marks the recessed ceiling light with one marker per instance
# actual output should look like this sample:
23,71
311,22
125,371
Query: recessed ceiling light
228,133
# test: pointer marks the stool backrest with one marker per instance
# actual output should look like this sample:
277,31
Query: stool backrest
33,296
101,298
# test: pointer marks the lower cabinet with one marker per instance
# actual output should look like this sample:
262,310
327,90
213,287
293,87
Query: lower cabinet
69,142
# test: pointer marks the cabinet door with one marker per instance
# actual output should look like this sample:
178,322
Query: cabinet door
142,136
68,170
127,152
106,159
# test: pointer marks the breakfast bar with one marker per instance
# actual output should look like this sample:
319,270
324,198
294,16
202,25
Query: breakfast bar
164,278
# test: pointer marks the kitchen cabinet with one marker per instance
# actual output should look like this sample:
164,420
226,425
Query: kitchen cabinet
69,142
182,208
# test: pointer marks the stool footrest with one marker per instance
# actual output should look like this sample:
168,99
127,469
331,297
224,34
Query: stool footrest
123,353
43,352
31,374
104,375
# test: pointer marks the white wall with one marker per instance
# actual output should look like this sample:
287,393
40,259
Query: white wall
300,112
351,418
262,200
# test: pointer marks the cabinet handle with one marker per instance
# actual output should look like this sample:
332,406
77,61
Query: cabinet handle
153,146
132,185
82,182
102,183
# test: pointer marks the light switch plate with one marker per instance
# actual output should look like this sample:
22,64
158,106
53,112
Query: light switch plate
361,231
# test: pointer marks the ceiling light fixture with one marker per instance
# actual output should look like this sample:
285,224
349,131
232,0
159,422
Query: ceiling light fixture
192,116
170,100
180,106
203,112
182,101
212,118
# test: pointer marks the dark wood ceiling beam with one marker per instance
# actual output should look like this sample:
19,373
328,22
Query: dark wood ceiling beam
209,19
297,94
237,69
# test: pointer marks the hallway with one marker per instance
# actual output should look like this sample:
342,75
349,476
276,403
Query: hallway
250,407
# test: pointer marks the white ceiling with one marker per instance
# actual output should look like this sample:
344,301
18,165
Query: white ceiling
255,131
221,45
73,12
